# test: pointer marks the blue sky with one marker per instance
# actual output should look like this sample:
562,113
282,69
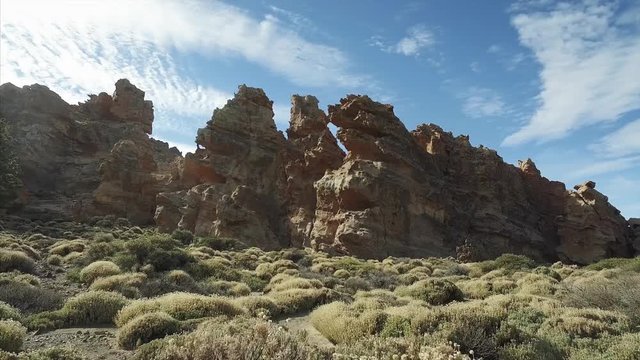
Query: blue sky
557,82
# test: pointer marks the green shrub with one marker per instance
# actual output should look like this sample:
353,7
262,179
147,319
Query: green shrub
586,323
621,294
54,353
218,243
227,288
88,308
127,284
341,323
182,306
184,236
28,298
98,269
8,312
259,304
12,335
296,300
54,260
433,291
145,328
163,252
632,264
16,260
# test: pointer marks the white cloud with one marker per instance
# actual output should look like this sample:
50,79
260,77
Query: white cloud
417,39
605,167
624,141
282,115
481,102
589,68
475,67
82,47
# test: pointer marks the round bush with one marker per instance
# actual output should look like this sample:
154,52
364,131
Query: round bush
98,269
433,291
8,312
93,307
12,335
145,328
16,260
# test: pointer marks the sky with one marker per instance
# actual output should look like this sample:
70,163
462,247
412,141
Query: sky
557,82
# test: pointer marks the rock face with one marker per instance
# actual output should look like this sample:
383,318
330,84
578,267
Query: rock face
250,182
395,192
88,159
401,193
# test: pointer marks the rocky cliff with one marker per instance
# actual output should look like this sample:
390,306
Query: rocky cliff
394,191
93,158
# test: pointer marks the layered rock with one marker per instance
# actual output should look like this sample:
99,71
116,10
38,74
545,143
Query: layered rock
68,152
249,182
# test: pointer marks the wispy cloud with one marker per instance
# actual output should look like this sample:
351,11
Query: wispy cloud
417,39
605,167
622,142
80,47
589,68
482,102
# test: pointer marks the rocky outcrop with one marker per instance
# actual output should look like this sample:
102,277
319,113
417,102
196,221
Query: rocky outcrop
394,192
93,158
253,184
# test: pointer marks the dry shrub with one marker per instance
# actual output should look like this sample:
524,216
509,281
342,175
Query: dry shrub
621,294
240,339
16,260
12,335
433,291
145,328
98,269
182,306
127,284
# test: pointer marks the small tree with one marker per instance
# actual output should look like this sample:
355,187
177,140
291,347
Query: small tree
9,168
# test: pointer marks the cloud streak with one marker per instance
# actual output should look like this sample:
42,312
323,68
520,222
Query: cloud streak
589,68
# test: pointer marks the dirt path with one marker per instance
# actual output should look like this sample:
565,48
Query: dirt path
301,323
92,343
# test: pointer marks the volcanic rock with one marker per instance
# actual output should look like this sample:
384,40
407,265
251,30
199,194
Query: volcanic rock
67,152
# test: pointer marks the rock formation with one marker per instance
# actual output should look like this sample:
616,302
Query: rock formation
93,158
395,192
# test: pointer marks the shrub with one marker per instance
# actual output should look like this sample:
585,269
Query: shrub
66,247
8,312
632,264
296,300
88,308
182,306
238,339
145,328
259,304
227,288
218,243
54,353
216,267
341,323
98,269
163,252
93,307
127,284
12,335
267,270
54,260
433,291
16,260
28,298
617,294
184,236
586,323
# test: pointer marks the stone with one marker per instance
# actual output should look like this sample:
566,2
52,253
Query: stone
68,152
